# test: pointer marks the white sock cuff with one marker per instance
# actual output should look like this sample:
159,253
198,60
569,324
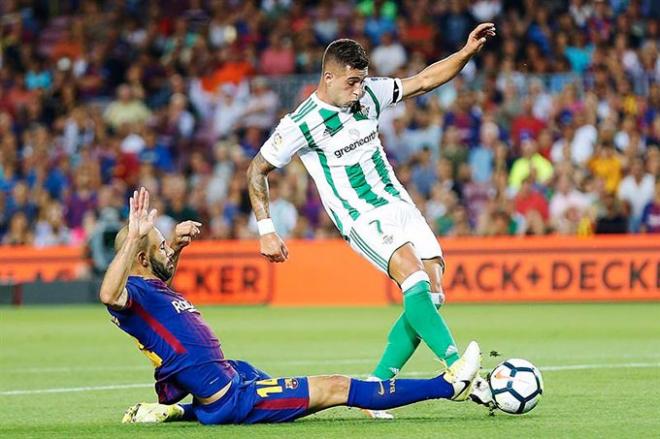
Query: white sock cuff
413,279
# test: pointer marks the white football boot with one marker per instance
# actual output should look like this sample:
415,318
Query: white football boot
380,415
152,413
481,393
461,375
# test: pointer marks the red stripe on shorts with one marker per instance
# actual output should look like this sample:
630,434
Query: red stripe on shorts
283,404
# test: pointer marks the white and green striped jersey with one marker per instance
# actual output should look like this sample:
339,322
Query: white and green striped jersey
342,152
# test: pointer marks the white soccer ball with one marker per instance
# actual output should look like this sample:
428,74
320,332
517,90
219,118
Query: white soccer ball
517,386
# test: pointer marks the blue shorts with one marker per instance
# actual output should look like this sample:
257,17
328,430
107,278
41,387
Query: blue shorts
254,397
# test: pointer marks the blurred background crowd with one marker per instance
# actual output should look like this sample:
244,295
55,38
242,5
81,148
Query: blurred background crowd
553,128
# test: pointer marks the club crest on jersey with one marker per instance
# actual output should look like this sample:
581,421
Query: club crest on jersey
183,305
291,383
360,112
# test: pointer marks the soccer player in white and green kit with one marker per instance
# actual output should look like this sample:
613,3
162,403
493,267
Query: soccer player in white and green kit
335,134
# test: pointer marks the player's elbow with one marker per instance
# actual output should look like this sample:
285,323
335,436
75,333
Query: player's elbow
106,297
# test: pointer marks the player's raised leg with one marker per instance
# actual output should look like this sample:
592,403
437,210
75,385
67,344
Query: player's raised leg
402,340
407,270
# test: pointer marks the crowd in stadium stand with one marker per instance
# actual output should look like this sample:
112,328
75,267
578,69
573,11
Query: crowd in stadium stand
553,128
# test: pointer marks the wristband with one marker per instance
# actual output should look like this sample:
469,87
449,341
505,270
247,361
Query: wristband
265,226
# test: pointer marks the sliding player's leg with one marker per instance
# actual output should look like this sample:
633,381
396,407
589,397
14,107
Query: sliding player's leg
331,391
286,399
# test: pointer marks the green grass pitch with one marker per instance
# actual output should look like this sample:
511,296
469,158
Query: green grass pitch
601,366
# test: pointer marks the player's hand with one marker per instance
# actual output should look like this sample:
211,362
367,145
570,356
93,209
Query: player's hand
478,37
273,248
184,233
140,219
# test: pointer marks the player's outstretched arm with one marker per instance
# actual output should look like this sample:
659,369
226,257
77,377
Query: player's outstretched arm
140,222
444,70
184,233
272,246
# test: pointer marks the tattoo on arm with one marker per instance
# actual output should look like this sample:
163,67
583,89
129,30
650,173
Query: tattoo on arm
258,185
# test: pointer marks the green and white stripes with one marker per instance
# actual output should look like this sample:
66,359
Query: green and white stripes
373,98
331,121
304,110
384,174
368,251
362,187
326,170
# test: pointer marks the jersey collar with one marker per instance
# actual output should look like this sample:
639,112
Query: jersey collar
323,104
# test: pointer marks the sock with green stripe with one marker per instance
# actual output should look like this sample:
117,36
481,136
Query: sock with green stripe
424,318
401,344
402,341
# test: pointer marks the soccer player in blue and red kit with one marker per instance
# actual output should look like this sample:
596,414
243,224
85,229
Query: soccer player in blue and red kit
189,361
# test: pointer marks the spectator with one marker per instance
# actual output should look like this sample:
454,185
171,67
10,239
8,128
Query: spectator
126,109
19,202
568,206
279,58
607,165
423,174
261,108
51,229
531,163
613,220
156,153
482,157
182,82
82,198
651,213
389,56
636,190
19,231
532,205
178,207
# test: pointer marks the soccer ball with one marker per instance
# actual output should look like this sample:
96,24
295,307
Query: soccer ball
517,386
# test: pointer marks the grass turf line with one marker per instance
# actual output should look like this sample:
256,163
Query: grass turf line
61,347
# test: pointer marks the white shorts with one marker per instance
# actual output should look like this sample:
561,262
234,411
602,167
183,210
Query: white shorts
377,234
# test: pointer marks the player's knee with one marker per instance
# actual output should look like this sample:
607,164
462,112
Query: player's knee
404,262
436,285
338,386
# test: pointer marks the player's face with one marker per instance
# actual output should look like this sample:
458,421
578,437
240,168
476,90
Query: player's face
346,86
160,258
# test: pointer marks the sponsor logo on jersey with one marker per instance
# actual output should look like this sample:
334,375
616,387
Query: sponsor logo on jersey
340,152
183,305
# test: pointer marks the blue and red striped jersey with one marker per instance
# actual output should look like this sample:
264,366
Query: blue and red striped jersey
172,333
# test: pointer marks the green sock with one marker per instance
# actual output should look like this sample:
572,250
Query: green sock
401,344
423,317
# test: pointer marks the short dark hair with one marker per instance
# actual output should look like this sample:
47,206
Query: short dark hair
120,239
346,52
